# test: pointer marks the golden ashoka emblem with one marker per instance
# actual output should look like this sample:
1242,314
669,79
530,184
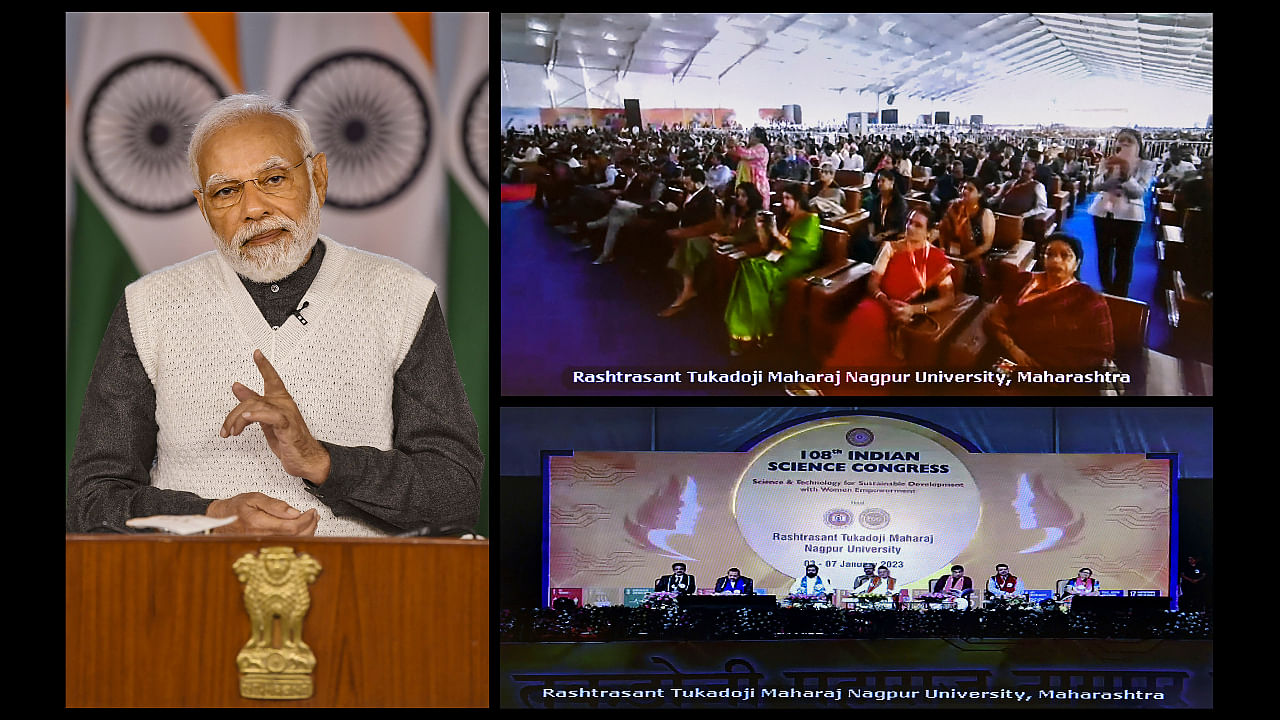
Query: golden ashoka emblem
276,594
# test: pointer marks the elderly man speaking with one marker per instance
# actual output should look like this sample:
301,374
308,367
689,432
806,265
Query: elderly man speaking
296,384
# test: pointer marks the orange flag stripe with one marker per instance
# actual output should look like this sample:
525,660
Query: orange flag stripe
418,25
219,30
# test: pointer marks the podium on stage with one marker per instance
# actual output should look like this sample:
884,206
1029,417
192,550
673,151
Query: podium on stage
158,621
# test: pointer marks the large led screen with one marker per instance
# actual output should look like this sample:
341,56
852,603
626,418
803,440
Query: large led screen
846,491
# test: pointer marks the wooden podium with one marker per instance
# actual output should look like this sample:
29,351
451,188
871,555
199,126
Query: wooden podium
157,621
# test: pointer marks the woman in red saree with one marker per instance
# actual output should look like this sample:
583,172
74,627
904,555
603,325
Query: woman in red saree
1051,320
911,277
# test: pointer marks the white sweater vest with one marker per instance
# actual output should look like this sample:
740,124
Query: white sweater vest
196,327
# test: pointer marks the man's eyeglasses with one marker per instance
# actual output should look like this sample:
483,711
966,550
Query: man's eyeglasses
276,181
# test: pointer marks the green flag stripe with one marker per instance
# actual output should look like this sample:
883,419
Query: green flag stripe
468,317
100,269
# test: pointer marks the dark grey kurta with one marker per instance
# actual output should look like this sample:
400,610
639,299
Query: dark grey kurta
431,476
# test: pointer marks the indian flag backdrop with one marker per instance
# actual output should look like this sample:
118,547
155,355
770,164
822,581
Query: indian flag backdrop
137,87
467,144
364,83
398,102
371,86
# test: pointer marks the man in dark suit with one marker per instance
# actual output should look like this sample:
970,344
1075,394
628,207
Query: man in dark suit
696,220
677,582
699,205
733,582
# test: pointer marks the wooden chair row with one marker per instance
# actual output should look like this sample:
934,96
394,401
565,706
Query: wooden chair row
818,302
1182,240
953,339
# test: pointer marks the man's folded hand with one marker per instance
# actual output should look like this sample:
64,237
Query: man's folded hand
258,514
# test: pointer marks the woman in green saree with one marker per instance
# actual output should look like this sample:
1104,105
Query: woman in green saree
760,287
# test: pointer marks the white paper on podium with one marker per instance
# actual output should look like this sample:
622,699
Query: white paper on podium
180,524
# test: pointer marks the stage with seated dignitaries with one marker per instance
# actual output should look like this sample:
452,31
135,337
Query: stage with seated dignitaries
943,570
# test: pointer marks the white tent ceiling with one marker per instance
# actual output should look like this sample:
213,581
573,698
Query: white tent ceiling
926,56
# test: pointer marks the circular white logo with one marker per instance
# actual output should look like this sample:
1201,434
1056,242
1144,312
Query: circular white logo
909,502
873,518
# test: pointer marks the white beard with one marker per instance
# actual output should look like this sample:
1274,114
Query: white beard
277,260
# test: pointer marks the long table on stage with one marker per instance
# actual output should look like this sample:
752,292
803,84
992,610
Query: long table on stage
728,601
1111,605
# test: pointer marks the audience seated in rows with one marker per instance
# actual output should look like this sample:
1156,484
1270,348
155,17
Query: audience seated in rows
1176,166
967,231
759,288
1023,196
910,277
825,197
1072,170
790,165
646,198
739,228
888,208
719,177
1043,171
576,165
947,188
1051,320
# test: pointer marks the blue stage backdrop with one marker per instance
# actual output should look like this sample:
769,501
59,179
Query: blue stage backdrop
527,431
